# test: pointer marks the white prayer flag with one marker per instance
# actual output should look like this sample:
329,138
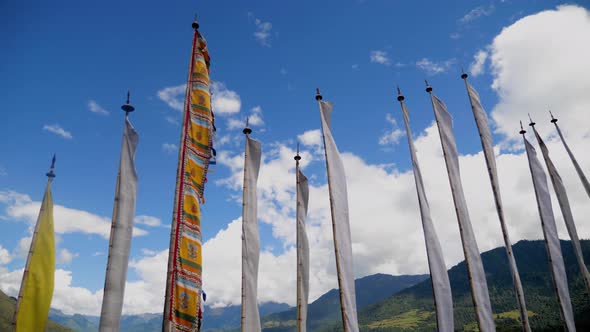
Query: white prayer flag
551,237
581,174
340,222
487,144
441,287
478,283
121,232
250,239
564,205
302,251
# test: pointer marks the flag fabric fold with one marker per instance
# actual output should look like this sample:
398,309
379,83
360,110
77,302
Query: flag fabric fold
487,144
183,304
441,287
340,222
36,291
581,174
478,283
250,321
551,238
302,251
564,205
121,233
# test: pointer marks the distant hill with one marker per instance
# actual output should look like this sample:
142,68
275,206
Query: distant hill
413,308
7,305
326,309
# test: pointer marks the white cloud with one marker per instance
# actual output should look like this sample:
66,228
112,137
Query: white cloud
66,220
235,124
148,220
169,147
173,96
263,32
479,60
477,12
98,253
94,107
225,101
311,138
64,256
432,67
255,118
392,136
380,57
5,256
172,120
58,130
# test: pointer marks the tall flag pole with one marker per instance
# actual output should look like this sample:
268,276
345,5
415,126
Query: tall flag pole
36,289
250,321
121,229
340,220
564,205
550,233
441,288
477,278
302,246
487,144
183,304
581,174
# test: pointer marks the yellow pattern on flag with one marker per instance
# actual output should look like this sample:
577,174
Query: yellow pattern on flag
37,289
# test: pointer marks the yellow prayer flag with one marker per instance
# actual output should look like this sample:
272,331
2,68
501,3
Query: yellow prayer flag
37,287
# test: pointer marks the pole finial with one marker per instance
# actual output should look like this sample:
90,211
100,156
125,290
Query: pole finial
522,131
428,87
463,73
553,120
195,24
51,174
531,123
247,130
400,96
318,96
297,156
127,107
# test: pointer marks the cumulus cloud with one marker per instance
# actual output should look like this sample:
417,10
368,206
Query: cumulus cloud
94,107
225,101
393,135
64,256
58,130
432,67
148,220
66,220
477,66
380,57
169,147
5,256
173,96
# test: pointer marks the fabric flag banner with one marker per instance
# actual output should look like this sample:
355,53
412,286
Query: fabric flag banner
121,232
250,239
478,283
302,251
564,205
581,174
183,306
551,237
487,144
340,222
441,287
36,289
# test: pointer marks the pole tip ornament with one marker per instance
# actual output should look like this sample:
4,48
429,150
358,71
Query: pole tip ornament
297,156
127,107
531,123
553,120
318,96
463,74
522,131
428,87
195,24
51,174
247,130
400,96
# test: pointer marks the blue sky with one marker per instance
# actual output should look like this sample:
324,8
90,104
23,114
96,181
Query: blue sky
68,66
